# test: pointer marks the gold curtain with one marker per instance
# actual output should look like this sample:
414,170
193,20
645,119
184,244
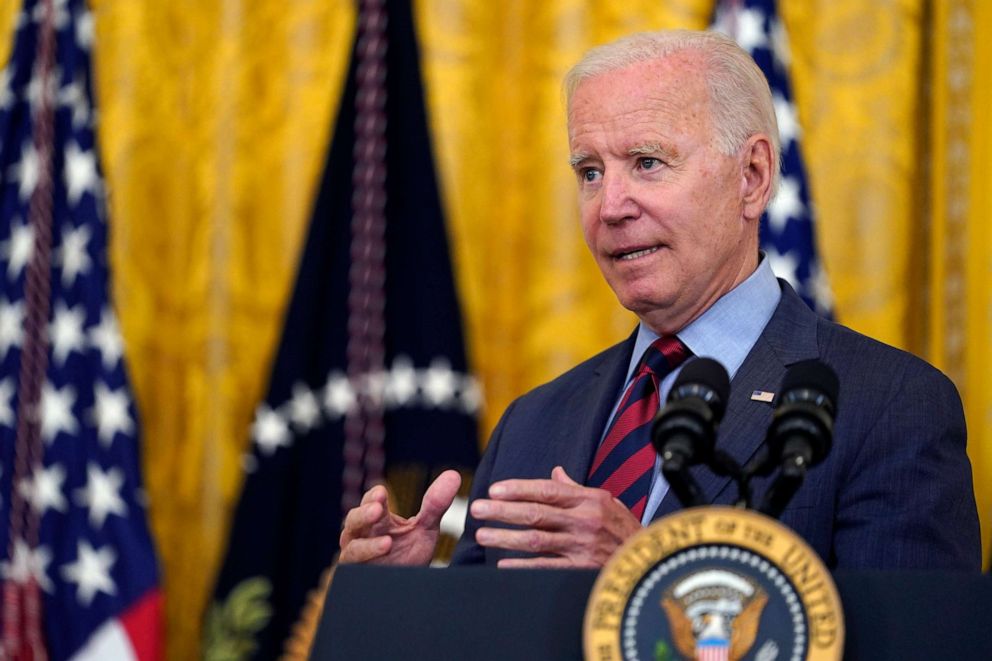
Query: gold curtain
214,125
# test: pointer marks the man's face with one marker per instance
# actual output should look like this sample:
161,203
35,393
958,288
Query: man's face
662,209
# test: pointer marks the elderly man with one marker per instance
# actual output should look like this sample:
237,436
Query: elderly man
674,145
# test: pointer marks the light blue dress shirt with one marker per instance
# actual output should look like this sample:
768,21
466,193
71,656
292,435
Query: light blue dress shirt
725,332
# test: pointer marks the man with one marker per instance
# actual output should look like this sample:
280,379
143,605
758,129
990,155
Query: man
675,147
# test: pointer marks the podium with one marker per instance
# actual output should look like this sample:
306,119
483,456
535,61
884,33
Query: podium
481,613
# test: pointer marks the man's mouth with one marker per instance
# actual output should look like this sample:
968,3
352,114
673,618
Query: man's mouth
629,255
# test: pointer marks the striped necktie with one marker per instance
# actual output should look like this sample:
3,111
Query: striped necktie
624,461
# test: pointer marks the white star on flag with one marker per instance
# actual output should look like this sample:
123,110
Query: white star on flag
107,338
270,430
785,116
56,411
402,383
29,563
304,409
11,326
110,409
80,172
786,204
91,572
784,266
102,494
6,401
74,253
73,96
17,250
44,489
66,331
439,383
339,397
751,30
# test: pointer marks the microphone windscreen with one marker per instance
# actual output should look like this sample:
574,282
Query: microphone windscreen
812,375
709,374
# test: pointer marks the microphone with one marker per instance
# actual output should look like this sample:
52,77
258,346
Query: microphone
684,431
801,433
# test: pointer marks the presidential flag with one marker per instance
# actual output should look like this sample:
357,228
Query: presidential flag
370,380
79,574
788,236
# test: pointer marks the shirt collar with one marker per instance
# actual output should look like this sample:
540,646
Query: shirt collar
730,327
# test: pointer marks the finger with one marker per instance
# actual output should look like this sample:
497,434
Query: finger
549,492
530,540
366,550
438,498
558,474
376,494
537,563
526,514
360,520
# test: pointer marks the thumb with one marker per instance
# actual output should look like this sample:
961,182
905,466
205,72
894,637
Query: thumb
558,474
438,498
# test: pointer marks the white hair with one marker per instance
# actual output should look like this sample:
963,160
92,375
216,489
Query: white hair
740,100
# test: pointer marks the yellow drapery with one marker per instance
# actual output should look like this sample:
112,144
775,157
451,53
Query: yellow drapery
215,121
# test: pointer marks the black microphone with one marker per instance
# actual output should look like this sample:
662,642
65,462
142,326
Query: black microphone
801,432
684,431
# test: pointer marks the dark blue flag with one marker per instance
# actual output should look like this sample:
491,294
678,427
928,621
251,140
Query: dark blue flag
73,534
788,236
286,528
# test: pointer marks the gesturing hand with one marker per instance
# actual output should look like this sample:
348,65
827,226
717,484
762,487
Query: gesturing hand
374,534
567,524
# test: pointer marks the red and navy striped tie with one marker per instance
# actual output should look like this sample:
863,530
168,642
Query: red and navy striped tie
624,461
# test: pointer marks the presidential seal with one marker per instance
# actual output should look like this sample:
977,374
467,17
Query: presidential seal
714,584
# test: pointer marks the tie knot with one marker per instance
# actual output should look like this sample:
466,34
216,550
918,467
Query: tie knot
665,354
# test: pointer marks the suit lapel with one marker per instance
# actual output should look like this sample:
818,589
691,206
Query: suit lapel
590,406
789,337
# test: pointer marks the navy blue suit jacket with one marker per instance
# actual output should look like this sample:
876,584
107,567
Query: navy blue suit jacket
894,493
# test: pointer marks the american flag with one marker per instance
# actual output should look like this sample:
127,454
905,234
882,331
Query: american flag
79,571
787,229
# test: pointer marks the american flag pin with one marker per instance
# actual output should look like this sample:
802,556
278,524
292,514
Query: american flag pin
762,396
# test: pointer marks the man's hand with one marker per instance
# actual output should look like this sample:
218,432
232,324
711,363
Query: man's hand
567,524
373,534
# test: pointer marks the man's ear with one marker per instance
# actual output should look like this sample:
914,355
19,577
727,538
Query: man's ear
760,163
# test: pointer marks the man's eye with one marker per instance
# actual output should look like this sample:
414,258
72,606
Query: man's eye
649,163
589,174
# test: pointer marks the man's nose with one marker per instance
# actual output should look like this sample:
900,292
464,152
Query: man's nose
617,203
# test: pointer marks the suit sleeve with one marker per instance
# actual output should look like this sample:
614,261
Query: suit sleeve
908,502
468,551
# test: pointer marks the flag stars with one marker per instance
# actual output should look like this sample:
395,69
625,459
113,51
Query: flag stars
11,326
28,563
269,430
91,572
6,404
17,250
56,411
44,489
80,172
84,29
439,383
73,255
784,266
6,93
26,171
66,331
339,396
304,409
786,204
106,337
73,96
401,386
788,124
110,409
102,494
750,32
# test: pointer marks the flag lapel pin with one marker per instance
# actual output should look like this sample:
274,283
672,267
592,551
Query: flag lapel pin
762,396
